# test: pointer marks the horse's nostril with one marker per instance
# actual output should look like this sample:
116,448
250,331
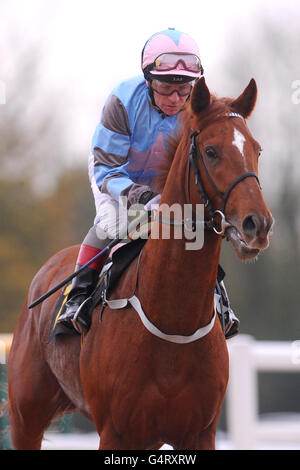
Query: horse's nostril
249,225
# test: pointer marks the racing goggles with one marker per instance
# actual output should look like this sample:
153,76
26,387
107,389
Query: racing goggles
171,61
167,89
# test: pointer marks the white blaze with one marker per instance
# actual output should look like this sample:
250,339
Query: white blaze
238,141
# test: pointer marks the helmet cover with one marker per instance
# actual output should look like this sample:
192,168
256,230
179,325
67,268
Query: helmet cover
165,42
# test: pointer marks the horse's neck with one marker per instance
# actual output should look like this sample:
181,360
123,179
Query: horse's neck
179,283
176,281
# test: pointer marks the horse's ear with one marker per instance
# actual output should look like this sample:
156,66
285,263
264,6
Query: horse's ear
200,98
245,103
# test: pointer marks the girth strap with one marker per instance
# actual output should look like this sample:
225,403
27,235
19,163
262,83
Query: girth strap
179,339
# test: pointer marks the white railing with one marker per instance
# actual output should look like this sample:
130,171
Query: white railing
5,344
247,358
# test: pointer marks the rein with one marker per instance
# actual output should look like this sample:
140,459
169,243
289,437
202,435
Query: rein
195,156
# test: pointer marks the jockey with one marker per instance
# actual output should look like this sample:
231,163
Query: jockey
128,145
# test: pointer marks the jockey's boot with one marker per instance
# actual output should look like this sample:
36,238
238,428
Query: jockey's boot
73,314
230,323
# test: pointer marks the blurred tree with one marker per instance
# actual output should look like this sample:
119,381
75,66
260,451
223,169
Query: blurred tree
33,229
31,132
264,293
45,204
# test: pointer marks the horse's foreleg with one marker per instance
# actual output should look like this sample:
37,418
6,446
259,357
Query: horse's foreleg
205,440
111,440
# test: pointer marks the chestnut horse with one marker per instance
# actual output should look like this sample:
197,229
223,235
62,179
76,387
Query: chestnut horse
140,390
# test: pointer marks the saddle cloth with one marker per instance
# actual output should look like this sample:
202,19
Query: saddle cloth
113,269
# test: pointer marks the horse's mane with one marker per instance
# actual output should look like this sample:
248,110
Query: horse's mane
188,120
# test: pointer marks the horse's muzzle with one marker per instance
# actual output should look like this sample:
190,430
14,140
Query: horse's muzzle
257,229
252,237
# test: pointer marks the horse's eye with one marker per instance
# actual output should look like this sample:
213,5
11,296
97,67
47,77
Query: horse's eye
260,152
211,153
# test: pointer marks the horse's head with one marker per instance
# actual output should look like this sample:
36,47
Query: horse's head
227,161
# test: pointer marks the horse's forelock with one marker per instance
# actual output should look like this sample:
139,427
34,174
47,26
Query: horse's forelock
218,108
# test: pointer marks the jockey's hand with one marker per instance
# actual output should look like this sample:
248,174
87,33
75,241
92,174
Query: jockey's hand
149,199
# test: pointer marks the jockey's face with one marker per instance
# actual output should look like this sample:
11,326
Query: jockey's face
172,103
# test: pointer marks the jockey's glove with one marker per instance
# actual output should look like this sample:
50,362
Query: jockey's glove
148,198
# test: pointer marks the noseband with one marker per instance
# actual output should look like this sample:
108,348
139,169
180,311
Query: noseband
194,156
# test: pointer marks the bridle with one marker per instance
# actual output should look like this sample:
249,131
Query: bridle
195,156
211,224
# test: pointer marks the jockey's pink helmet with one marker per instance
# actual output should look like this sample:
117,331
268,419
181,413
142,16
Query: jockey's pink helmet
173,44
